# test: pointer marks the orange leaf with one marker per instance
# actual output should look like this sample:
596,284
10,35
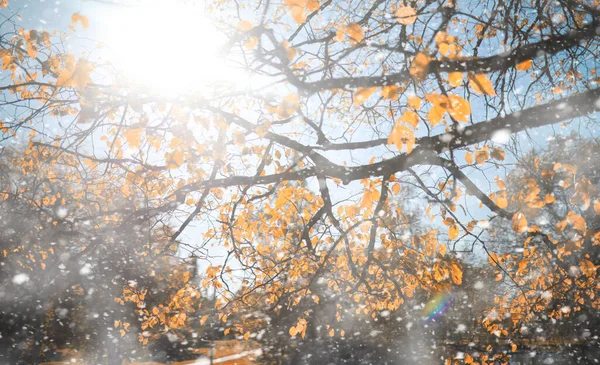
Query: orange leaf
419,67
576,221
406,15
455,78
459,108
362,94
469,158
481,84
402,135
525,65
76,17
390,92
481,156
414,102
411,118
251,43
174,159
453,231
435,115
498,154
133,137
519,222
456,273
298,13
501,202
244,25
588,268
312,5
355,32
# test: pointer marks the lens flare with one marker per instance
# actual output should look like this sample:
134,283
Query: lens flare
437,305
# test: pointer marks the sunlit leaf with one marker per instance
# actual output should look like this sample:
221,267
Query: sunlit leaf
406,15
419,67
525,65
402,136
481,84
455,78
362,94
453,231
519,222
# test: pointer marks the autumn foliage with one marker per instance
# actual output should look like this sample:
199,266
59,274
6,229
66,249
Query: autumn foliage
356,117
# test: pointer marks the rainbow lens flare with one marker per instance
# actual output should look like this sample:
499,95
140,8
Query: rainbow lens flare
437,305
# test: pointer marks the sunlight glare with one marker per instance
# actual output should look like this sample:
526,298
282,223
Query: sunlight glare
170,49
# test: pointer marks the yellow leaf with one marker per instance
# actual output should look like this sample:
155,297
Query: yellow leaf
481,156
597,206
455,78
481,84
3,3
174,159
411,118
312,5
203,320
414,102
498,154
31,50
456,273
468,359
576,221
352,211
298,13
453,231
525,65
133,137
362,94
588,268
402,135
435,115
289,105
406,15
501,202
239,138
469,158
390,92
442,249
519,222
459,108
78,76
246,335
500,184
396,189
355,32
244,25
251,43
419,67
331,332
513,347
76,17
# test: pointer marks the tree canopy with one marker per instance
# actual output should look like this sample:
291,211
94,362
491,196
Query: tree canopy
353,156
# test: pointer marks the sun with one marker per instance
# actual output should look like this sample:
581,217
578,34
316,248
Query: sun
171,49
